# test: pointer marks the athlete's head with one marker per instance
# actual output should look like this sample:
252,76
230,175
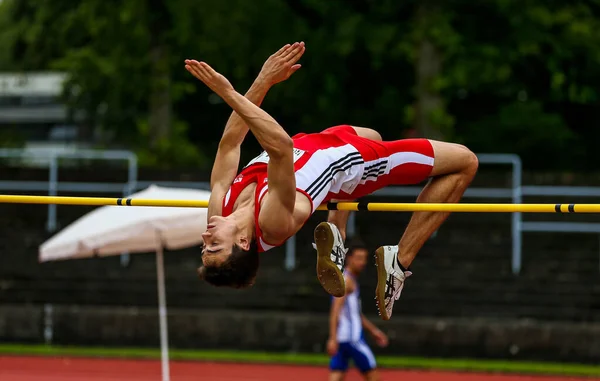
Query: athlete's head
229,256
357,257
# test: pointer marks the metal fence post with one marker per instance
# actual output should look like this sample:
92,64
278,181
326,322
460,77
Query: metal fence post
52,191
517,218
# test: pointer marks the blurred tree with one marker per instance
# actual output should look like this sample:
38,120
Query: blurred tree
500,76
431,34
517,73
118,59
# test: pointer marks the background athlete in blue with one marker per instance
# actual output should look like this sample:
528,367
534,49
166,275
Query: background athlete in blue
346,323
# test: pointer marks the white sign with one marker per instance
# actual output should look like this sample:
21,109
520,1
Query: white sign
264,157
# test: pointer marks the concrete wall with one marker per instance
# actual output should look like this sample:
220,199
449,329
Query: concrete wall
303,332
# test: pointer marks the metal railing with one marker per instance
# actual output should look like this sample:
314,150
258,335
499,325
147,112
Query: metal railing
561,227
515,193
52,184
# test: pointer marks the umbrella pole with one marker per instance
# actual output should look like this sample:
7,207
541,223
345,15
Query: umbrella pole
162,313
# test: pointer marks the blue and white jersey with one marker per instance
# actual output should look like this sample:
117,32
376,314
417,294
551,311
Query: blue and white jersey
349,328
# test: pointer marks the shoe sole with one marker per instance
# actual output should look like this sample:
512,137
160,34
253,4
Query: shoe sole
381,279
330,277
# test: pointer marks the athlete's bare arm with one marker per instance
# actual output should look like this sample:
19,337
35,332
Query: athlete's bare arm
278,217
227,160
380,338
275,69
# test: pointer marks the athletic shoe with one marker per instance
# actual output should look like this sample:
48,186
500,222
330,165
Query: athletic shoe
390,279
331,255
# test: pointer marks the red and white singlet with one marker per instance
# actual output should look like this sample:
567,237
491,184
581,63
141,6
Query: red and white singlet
338,164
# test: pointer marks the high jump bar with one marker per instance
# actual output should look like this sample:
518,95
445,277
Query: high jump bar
349,206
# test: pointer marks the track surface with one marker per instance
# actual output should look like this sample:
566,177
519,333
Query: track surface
71,369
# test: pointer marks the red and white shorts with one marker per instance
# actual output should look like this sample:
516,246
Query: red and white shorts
338,164
398,162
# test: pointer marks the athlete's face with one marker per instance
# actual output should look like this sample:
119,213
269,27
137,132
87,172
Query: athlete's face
220,236
357,261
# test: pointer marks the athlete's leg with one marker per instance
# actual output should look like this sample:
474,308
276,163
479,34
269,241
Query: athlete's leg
368,133
371,375
363,358
364,132
338,365
330,236
340,217
453,170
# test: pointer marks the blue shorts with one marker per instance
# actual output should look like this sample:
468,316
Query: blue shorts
359,352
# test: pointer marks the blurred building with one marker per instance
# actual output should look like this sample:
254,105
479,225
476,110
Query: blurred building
32,114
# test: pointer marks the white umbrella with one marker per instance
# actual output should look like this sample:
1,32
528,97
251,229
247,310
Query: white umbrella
112,230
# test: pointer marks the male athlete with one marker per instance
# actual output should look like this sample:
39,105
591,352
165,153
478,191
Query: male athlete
346,323
274,195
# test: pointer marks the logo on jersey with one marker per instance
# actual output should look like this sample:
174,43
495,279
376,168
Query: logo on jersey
238,179
264,157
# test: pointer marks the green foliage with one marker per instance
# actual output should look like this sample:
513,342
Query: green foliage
520,79
175,152
11,138
539,136
361,67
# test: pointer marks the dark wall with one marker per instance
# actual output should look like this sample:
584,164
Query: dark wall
461,277
302,332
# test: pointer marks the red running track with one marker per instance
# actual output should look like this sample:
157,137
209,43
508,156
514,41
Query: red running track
71,369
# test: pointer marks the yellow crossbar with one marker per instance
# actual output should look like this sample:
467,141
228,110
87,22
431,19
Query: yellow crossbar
352,206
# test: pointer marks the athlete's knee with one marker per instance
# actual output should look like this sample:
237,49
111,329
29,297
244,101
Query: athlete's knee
368,133
470,160
453,158
374,135
336,375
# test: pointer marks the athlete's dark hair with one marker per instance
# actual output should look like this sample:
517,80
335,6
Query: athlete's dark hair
355,245
238,271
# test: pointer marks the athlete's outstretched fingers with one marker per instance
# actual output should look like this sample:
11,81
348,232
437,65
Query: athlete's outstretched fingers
289,53
193,71
207,70
193,67
280,51
299,53
188,65
200,72
202,67
191,63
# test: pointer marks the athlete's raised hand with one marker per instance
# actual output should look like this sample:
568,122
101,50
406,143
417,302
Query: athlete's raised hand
282,64
215,81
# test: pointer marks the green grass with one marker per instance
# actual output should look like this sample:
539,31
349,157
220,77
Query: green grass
308,359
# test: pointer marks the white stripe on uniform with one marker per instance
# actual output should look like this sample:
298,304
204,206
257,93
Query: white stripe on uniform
350,322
